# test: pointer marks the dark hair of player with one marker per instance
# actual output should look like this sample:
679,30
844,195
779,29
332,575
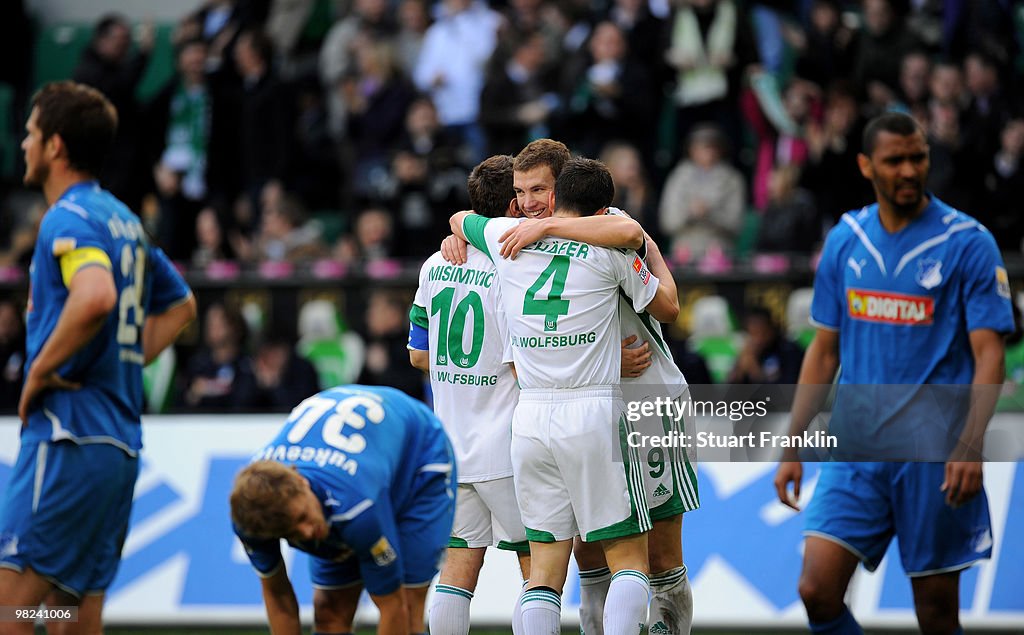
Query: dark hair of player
585,186
897,123
84,119
490,186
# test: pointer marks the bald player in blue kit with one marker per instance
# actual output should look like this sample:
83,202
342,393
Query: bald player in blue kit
911,302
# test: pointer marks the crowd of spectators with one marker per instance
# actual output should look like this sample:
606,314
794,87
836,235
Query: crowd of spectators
311,131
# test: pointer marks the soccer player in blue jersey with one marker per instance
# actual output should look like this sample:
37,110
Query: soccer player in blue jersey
102,303
909,292
361,478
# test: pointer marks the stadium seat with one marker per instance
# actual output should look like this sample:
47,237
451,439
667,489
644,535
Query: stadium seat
798,316
158,381
712,336
8,136
57,51
336,354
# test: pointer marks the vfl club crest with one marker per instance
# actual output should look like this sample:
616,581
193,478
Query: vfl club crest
929,273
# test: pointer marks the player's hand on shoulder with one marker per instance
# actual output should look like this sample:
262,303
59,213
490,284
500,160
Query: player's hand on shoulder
789,472
453,250
522,235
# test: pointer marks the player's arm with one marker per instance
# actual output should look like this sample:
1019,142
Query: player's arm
659,268
91,297
419,324
603,230
821,361
282,606
456,223
963,469
161,330
172,306
420,360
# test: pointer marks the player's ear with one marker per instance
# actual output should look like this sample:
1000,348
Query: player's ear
551,202
53,147
513,209
864,163
601,212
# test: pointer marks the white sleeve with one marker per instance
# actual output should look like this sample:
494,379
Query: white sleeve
634,278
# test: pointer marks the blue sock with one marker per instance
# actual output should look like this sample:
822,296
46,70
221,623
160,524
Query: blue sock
842,625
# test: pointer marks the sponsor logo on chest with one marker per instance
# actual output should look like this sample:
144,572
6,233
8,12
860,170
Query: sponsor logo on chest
889,307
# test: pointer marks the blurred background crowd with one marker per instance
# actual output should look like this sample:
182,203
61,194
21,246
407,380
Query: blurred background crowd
328,139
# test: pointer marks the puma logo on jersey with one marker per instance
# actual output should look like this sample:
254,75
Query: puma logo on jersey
857,266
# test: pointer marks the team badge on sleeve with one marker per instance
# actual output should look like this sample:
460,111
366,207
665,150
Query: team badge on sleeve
641,270
62,246
383,553
1002,283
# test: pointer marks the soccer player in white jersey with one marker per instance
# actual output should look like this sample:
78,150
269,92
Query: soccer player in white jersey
458,335
670,480
560,299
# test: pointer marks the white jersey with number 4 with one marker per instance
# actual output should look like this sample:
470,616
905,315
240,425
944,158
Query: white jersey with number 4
475,393
562,301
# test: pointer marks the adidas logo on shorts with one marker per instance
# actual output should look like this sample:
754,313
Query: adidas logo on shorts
661,492
659,627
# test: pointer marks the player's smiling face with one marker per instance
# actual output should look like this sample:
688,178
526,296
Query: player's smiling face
898,168
533,189
308,522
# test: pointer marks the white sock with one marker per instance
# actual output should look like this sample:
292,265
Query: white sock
542,612
625,610
671,603
449,610
517,612
593,592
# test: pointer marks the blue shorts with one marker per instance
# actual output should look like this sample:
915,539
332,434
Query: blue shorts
423,514
862,506
65,513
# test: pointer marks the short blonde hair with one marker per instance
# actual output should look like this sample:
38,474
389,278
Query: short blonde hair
261,497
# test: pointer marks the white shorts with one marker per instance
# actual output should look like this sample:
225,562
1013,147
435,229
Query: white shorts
568,481
487,514
669,474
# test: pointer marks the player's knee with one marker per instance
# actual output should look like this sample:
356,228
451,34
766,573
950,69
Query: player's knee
822,601
936,616
662,560
329,616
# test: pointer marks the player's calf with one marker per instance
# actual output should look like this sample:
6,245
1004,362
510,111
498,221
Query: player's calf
625,609
449,606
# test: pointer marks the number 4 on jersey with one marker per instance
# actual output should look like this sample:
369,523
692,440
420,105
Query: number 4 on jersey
554,305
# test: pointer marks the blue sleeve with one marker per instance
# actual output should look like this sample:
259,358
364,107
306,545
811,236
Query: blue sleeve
64,230
265,555
373,536
986,286
419,338
827,303
168,287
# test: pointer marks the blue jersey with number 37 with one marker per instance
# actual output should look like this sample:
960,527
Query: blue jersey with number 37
88,226
364,451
